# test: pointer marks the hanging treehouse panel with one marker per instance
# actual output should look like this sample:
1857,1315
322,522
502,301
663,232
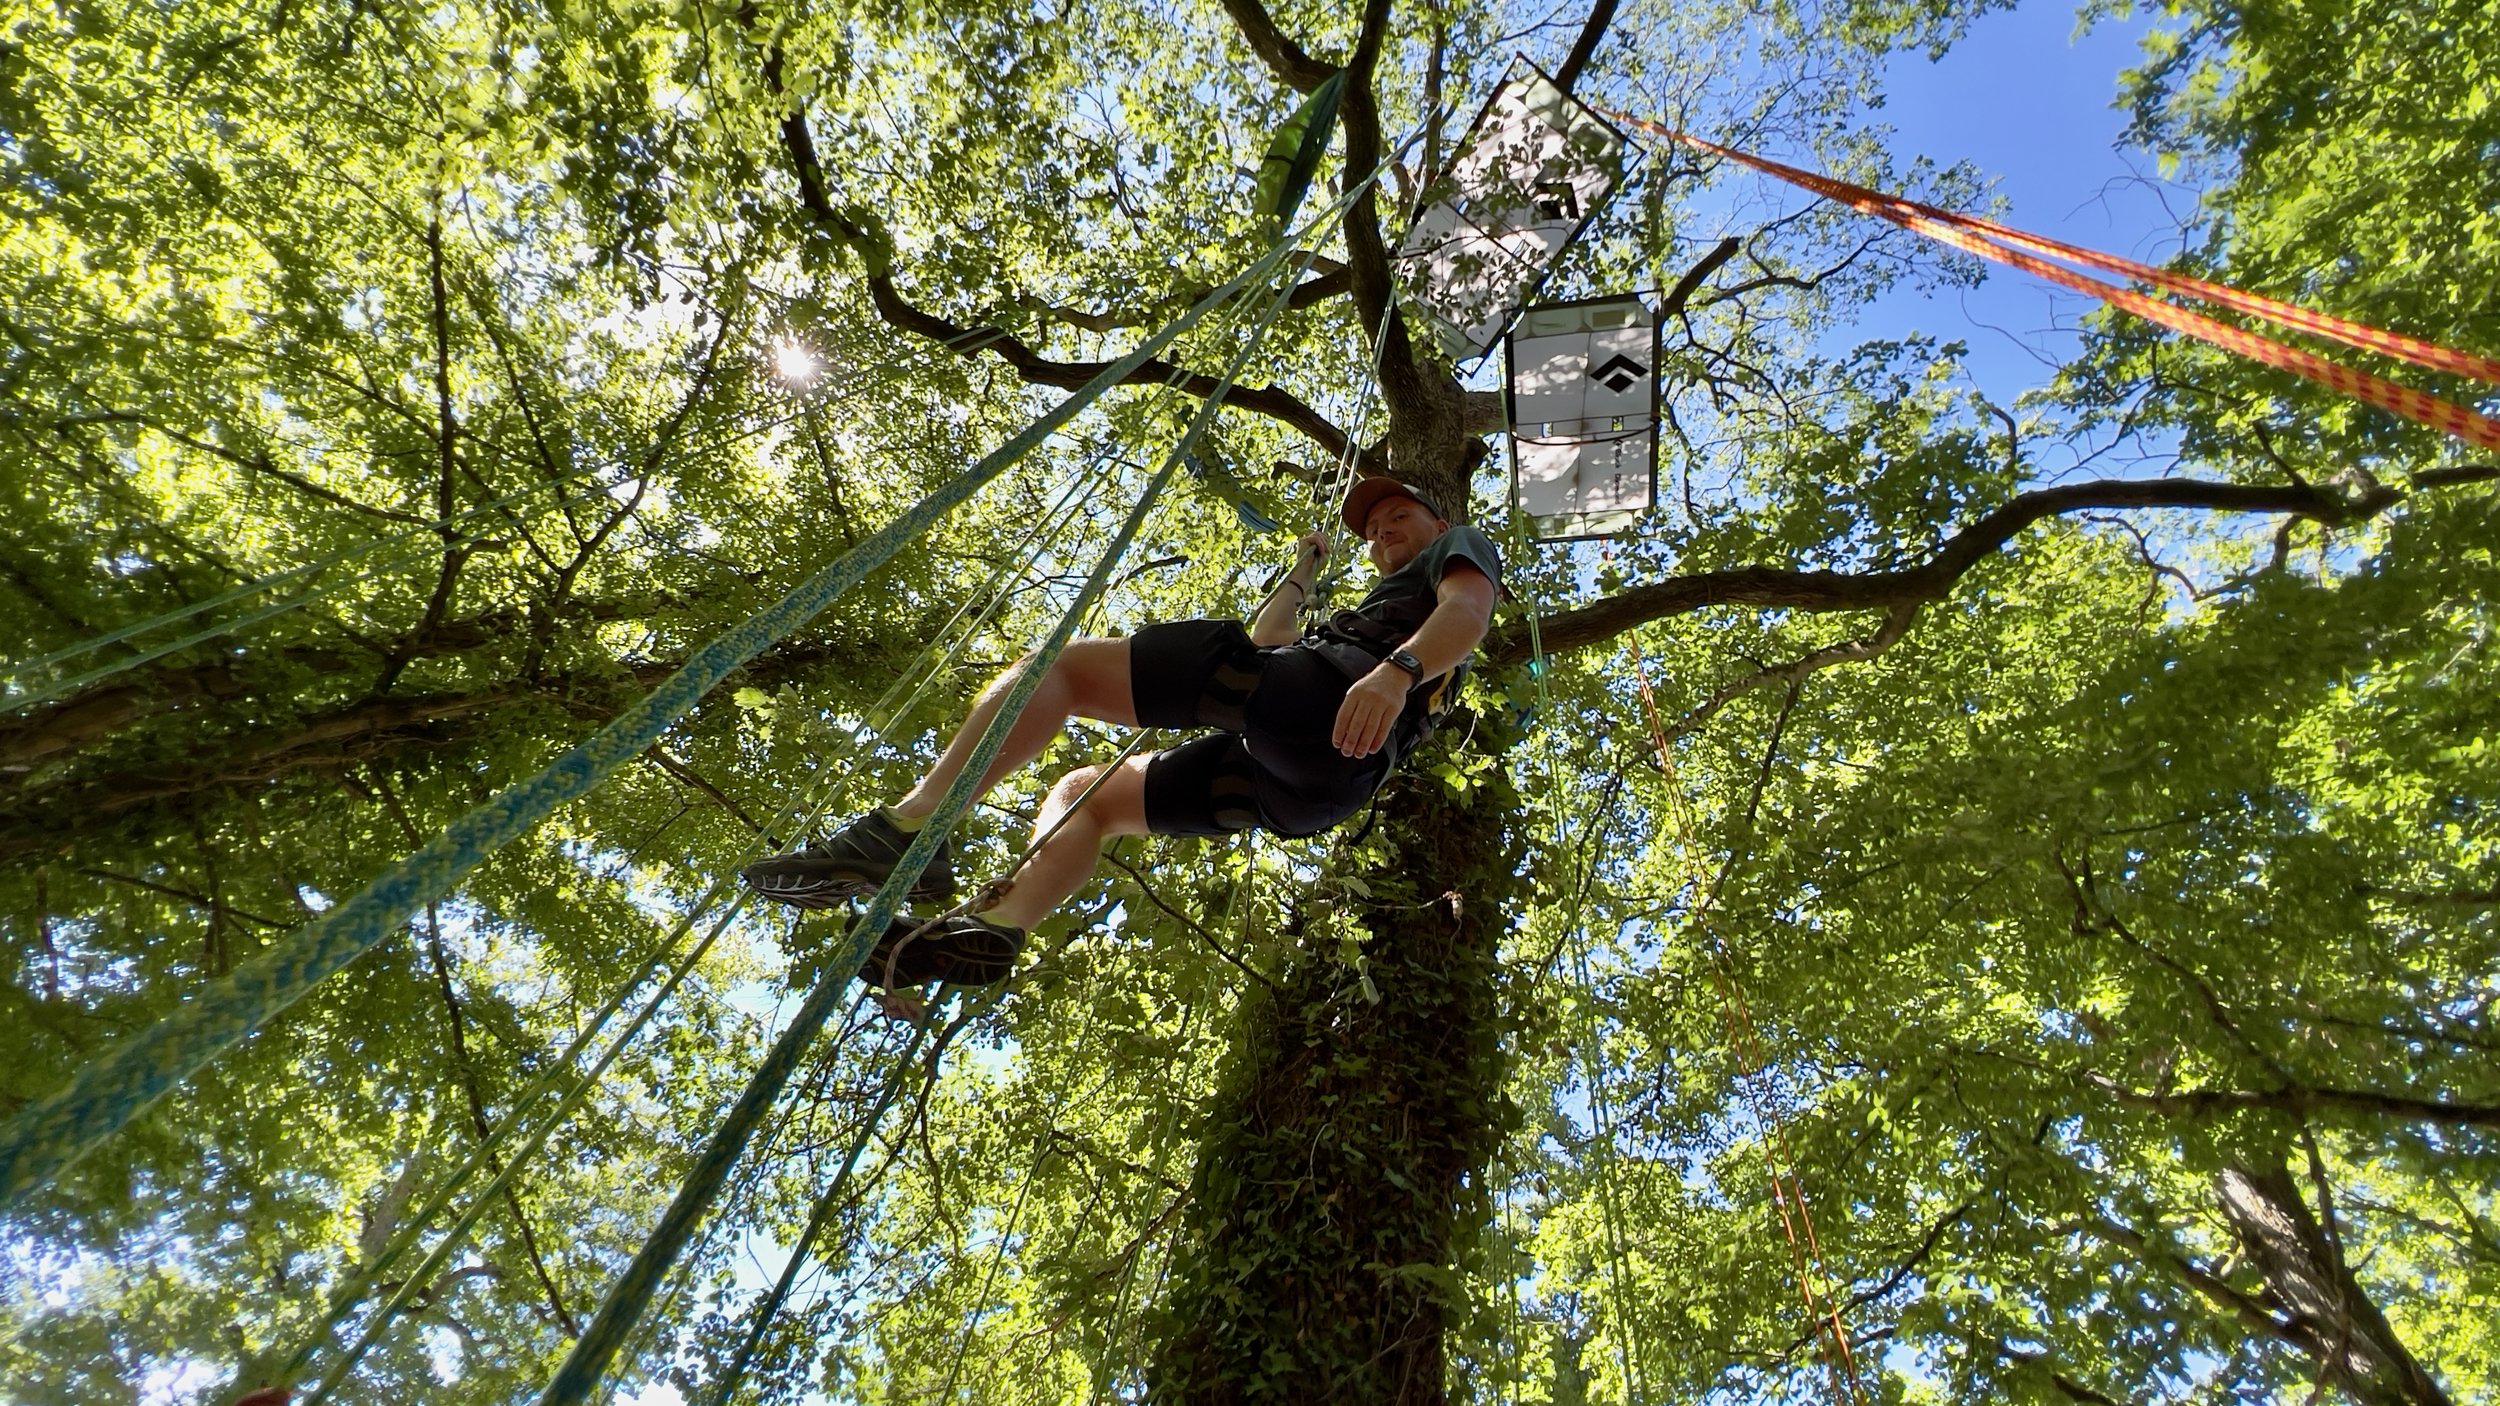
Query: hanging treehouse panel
1531,174
1583,407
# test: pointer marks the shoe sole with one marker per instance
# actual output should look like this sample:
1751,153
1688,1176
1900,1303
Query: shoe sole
965,958
820,891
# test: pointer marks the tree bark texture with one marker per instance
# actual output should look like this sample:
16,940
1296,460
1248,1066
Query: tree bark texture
2320,1308
1340,1170
126,751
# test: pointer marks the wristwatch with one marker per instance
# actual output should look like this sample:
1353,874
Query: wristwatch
1405,659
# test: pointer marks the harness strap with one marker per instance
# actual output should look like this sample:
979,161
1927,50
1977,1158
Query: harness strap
1427,702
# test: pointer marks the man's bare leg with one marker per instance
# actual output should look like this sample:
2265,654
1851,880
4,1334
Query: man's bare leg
1067,857
1090,679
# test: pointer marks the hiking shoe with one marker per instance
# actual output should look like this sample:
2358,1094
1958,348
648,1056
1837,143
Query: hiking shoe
967,951
849,863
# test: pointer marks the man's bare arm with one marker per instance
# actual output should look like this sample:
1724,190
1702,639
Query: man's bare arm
1279,618
1372,705
1457,623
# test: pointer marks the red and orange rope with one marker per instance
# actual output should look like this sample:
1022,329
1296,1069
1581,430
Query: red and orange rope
2017,249
1805,1249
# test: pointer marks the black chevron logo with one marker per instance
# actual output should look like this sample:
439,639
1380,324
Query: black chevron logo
1620,374
1556,200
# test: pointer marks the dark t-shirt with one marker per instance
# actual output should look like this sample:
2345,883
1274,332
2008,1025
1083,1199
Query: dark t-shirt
1358,639
1401,601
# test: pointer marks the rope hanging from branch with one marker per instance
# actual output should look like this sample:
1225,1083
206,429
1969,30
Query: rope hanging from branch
1816,1284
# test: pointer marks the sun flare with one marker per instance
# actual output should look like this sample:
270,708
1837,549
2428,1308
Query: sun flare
793,362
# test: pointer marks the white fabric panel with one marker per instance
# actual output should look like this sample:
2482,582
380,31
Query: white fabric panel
1562,480
1583,404
1529,174
1549,477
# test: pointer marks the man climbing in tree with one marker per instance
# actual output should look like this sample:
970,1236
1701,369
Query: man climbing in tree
1306,726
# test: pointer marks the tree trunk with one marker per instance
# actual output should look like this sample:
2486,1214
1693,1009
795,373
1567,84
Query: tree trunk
2320,1307
1341,1167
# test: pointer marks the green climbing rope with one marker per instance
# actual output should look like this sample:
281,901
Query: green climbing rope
917,680
886,714
421,1279
39,1143
1592,1051
583,1368
761,1318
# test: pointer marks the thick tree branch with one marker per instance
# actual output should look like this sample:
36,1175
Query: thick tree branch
1288,60
1584,48
2323,1308
2301,1100
1027,362
93,715
1330,281
1900,1273
1426,411
543,454
2092,913
1819,591
2457,476
2252,1314
1686,286
41,809
2461,898
2066,1386
1417,394
347,734
207,902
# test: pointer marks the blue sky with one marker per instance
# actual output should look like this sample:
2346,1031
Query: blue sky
2029,103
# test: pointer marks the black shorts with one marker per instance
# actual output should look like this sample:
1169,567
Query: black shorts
1271,764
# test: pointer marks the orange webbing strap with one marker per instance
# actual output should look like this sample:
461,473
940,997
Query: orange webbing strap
1788,1192
1990,240
2427,355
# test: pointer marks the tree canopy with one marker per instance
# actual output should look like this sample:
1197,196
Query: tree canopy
1924,918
